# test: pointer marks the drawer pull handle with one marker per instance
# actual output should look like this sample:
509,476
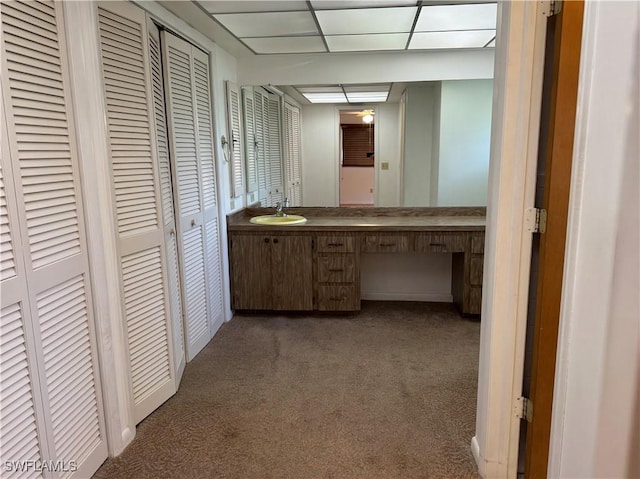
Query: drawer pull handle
442,245
335,299
335,244
387,244
336,270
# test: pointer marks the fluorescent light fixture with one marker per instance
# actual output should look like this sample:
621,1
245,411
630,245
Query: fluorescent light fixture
325,97
340,4
368,97
446,40
366,20
268,24
372,42
306,44
439,18
234,6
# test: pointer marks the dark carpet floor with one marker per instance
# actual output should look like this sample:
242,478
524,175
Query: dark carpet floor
389,392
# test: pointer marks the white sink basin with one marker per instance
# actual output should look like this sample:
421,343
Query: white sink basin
274,220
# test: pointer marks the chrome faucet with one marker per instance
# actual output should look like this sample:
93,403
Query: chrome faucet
281,206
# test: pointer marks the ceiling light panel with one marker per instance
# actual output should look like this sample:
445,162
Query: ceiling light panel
232,6
325,97
320,89
340,4
443,40
367,97
366,20
309,44
370,87
352,43
274,24
440,18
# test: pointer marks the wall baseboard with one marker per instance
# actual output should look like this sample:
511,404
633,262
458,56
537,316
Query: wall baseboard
475,451
404,296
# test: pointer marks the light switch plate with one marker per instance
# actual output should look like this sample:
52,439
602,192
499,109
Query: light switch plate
384,165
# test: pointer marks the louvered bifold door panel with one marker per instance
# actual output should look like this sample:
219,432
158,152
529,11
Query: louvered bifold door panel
275,150
138,204
261,111
250,141
288,154
296,142
49,356
213,260
235,139
166,189
188,100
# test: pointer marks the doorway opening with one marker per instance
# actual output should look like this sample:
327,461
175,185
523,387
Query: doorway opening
357,157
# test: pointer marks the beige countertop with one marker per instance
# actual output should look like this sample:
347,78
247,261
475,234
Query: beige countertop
362,220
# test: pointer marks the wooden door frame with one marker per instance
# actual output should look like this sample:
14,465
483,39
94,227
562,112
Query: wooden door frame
560,125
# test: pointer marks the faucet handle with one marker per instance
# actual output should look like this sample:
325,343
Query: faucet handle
286,203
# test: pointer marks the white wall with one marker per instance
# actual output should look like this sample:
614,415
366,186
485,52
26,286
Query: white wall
418,143
465,134
387,182
356,185
596,404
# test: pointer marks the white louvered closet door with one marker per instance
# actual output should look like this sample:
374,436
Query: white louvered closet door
166,188
136,193
276,185
235,138
261,111
296,159
250,140
49,381
188,97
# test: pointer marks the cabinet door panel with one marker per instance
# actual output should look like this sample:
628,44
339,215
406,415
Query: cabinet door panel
336,268
292,273
251,272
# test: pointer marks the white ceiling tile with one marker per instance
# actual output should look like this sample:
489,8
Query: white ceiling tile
339,4
352,43
310,44
234,6
462,39
268,24
366,20
457,17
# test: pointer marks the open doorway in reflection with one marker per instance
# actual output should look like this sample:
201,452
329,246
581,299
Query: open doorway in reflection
357,157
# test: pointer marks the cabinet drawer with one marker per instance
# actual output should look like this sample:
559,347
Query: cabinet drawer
385,244
336,268
336,244
338,298
440,243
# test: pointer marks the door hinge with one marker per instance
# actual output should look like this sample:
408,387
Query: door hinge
524,408
551,7
536,220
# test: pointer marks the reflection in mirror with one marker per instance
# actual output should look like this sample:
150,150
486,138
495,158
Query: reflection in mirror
430,145
357,157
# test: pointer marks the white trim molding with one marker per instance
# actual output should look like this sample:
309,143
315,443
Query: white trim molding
519,61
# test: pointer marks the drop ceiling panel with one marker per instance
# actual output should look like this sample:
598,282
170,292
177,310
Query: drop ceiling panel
252,6
354,43
366,20
325,97
368,97
340,4
442,40
457,17
308,44
268,24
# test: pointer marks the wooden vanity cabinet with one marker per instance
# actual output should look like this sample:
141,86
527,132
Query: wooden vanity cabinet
272,272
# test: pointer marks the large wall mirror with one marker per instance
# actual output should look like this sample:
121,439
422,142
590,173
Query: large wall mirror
422,143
